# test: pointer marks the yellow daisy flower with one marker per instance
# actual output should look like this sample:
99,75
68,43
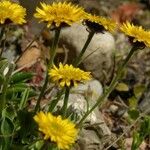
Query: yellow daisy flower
137,33
11,12
61,131
68,75
59,14
99,23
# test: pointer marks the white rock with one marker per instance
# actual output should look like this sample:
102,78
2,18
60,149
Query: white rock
102,43
78,98
113,109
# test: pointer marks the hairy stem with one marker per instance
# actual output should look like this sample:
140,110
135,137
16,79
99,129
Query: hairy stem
78,60
4,88
112,85
50,63
64,108
55,101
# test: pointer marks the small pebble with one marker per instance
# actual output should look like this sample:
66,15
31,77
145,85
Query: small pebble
113,109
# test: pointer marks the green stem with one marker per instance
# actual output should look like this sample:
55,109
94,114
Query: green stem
37,107
50,63
3,30
79,58
112,85
64,108
4,89
54,46
55,101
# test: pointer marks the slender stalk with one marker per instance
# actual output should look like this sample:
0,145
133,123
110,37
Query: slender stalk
79,58
54,46
4,89
55,101
127,130
64,108
37,107
1,36
3,31
112,85
50,63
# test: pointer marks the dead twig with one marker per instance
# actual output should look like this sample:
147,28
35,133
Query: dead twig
127,130
66,54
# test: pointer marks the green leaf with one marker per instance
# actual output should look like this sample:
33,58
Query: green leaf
27,125
133,102
140,135
2,79
122,87
3,65
134,114
136,141
72,115
37,145
12,91
10,113
49,146
19,147
24,98
145,127
7,128
138,90
23,85
21,77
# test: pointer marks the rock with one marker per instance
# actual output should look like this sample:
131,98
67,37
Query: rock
113,109
128,144
83,93
96,131
10,54
125,115
100,49
89,140
144,105
120,112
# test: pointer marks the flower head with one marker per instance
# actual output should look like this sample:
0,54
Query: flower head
61,131
11,12
136,33
99,23
59,14
68,75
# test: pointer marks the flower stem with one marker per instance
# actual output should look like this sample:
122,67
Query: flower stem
50,63
54,46
4,31
64,108
4,89
55,101
37,107
112,85
78,60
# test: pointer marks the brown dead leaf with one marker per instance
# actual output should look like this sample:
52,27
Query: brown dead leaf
126,12
30,56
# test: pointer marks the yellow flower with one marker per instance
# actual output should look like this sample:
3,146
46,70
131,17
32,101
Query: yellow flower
99,23
59,14
137,33
61,131
68,75
11,12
